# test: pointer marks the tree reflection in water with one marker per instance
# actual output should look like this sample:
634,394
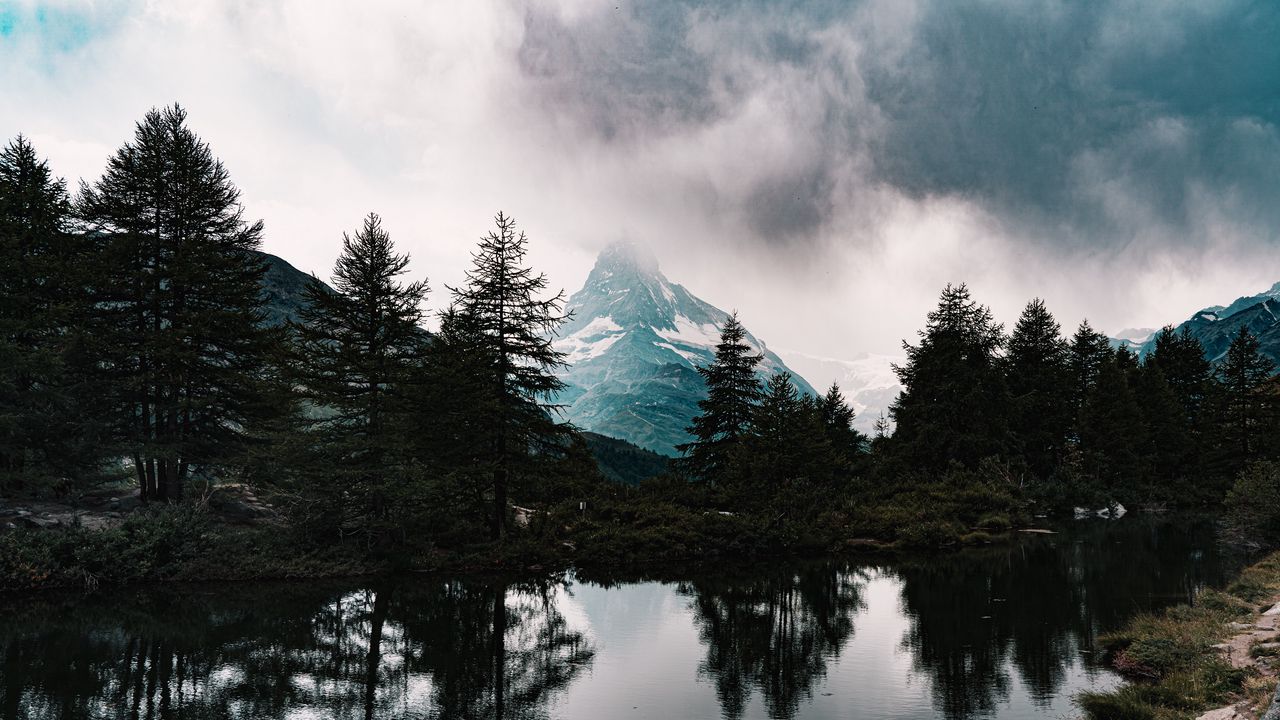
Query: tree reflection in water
440,649
773,631
1036,607
983,627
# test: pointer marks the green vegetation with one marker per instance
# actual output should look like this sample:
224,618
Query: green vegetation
1253,505
1170,658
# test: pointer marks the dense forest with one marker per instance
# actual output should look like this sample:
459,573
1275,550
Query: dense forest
135,348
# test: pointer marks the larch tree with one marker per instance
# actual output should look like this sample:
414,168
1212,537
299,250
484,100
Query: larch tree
1087,351
953,405
177,303
1180,358
43,416
514,322
1038,380
725,414
357,348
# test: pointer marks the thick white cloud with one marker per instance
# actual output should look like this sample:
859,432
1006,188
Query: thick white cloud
824,169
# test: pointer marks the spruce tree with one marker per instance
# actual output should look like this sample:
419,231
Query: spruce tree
1039,388
846,442
1113,434
178,310
953,405
43,414
357,349
1086,353
514,326
1168,455
724,415
1180,358
785,451
1243,373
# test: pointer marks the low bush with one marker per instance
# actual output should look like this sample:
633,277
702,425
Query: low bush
1253,505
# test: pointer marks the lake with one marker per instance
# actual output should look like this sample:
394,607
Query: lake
994,632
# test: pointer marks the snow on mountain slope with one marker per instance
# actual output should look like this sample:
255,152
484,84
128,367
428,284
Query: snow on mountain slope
1216,326
634,344
867,381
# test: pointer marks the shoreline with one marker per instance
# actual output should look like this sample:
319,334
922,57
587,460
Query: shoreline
1218,659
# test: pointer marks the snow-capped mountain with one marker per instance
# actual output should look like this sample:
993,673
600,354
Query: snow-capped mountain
867,381
1133,337
1215,326
633,344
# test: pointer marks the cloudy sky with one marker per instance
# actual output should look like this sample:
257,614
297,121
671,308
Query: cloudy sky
824,167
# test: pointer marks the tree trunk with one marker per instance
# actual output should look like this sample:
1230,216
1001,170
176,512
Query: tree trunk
374,659
499,650
141,470
499,501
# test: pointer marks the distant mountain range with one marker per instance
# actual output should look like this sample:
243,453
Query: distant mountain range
867,381
634,343
1215,326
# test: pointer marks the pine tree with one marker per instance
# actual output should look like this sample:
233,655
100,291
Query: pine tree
1243,373
514,327
785,454
178,307
724,415
953,405
357,351
837,420
1113,434
1087,351
1038,380
43,414
882,427
1180,358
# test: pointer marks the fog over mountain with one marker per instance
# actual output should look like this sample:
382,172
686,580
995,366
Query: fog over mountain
824,167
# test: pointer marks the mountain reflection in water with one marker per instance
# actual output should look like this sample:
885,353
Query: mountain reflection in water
997,632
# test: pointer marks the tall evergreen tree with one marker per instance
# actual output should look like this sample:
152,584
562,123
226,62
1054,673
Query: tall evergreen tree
724,415
1243,373
178,312
41,420
846,442
514,325
953,405
1087,351
1168,453
1039,387
785,453
357,349
1113,435
1180,358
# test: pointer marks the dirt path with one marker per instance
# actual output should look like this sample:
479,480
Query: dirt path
1263,633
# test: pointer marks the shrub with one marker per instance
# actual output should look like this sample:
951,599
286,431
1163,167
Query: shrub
1253,504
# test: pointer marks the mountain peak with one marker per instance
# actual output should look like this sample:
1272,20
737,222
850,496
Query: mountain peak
634,343
627,255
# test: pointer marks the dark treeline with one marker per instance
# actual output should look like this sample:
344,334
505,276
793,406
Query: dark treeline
1074,421
134,343
992,426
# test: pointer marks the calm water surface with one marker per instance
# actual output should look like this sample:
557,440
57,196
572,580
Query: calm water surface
993,633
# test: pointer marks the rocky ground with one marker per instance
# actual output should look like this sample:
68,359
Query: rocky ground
106,508
1254,645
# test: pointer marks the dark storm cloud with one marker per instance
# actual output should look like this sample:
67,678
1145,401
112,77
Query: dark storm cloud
1094,124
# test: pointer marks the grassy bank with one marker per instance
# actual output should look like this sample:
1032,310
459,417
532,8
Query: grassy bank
1170,658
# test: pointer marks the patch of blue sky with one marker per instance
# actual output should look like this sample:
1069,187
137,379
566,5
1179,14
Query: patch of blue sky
58,27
